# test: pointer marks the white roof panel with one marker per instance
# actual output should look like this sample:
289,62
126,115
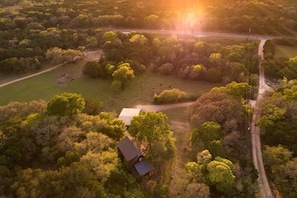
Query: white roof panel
128,113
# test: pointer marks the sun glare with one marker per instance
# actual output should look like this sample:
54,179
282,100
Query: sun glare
189,20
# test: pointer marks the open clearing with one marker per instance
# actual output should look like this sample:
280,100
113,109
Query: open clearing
285,51
69,78
180,126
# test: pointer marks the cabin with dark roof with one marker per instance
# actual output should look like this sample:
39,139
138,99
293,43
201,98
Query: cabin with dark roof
130,154
143,167
128,151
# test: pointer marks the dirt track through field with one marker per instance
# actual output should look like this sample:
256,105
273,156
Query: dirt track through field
90,55
182,134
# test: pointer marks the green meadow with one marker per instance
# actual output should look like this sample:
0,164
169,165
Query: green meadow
69,78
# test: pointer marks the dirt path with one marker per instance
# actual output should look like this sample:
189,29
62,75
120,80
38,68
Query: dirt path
178,181
163,107
263,187
91,55
182,133
30,76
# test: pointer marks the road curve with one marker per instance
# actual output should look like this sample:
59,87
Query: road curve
264,190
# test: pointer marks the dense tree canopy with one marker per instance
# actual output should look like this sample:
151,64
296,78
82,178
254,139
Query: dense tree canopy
278,118
208,132
241,16
278,127
152,128
46,155
217,106
219,137
65,104
217,172
220,174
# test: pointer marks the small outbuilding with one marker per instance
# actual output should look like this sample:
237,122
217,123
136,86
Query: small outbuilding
128,113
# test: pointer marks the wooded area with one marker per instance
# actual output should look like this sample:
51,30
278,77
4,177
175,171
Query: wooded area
58,149
278,124
67,146
53,149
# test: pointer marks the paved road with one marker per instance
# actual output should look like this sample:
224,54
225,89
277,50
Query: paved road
198,33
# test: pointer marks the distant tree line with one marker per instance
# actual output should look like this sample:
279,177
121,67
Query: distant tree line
23,51
29,30
186,58
219,15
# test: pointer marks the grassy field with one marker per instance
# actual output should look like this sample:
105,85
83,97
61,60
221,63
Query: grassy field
69,78
285,51
142,88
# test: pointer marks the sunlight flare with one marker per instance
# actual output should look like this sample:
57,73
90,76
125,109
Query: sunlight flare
189,20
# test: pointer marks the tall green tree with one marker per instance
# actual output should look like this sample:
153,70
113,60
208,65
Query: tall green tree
123,74
153,128
220,174
239,90
275,156
271,114
207,132
217,106
65,104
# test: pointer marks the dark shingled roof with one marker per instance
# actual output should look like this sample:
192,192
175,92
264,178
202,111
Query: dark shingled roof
143,167
128,149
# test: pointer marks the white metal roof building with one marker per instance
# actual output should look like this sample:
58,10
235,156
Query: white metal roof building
128,113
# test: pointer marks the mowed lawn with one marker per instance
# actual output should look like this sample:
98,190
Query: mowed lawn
285,51
69,78
141,90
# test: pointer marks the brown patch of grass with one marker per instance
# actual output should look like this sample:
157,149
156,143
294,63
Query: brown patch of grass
180,126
